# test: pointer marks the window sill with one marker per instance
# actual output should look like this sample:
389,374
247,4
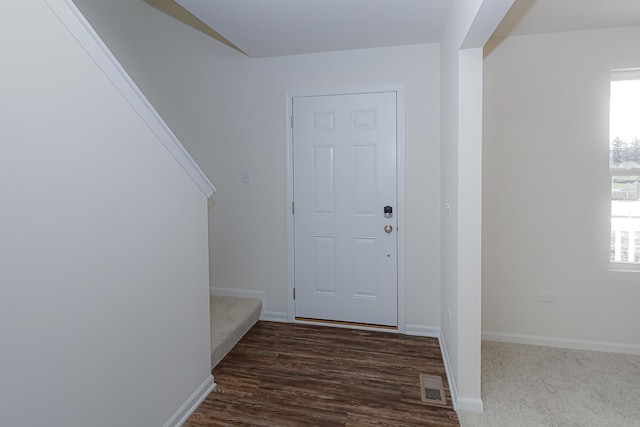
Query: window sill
624,267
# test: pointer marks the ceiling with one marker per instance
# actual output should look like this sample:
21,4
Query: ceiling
554,16
263,28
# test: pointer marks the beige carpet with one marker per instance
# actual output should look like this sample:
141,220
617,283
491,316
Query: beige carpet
231,318
533,386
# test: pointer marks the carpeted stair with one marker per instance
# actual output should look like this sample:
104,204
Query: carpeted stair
231,318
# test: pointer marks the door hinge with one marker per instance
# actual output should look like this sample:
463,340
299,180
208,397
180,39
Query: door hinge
293,207
294,293
292,121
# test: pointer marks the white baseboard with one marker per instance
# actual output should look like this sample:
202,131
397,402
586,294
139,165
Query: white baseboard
192,403
447,367
459,403
274,316
470,405
422,331
608,347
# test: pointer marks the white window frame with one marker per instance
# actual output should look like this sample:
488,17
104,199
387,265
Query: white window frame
619,75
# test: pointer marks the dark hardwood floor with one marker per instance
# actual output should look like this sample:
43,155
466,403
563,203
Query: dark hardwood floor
283,374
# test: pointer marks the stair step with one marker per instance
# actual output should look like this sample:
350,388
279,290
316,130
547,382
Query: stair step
231,318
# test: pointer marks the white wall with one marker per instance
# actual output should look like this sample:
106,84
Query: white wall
469,25
449,201
103,247
229,110
547,193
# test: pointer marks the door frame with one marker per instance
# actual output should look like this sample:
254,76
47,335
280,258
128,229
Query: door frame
400,190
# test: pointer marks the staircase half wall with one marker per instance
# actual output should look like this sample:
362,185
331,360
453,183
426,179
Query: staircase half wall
104,295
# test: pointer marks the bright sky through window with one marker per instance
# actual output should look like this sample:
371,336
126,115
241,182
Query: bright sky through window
624,167
625,110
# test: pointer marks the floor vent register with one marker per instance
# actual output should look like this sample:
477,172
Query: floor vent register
432,390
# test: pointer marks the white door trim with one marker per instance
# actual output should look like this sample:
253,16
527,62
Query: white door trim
399,90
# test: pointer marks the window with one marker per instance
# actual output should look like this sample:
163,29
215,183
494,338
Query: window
624,167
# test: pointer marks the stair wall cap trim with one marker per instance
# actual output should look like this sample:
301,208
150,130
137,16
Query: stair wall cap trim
89,40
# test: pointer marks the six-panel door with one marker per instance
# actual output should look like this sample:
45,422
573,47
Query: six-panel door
344,151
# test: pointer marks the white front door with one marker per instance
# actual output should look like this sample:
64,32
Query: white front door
344,161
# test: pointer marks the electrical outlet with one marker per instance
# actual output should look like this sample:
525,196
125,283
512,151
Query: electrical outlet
549,297
247,176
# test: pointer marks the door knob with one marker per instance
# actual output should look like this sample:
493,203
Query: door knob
388,228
